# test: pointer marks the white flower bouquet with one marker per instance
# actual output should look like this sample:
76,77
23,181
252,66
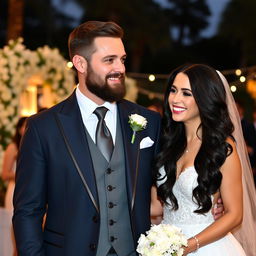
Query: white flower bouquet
162,240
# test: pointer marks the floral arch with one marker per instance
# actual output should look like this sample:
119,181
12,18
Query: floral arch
19,66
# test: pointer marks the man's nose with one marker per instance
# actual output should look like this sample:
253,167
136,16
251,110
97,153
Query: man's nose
176,97
119,66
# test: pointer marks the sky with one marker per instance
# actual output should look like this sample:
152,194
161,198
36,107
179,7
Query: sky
216,7
70,8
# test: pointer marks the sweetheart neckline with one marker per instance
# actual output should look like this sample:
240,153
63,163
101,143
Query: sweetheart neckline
184,170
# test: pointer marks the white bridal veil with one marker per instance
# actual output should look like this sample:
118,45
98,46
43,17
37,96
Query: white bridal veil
246,233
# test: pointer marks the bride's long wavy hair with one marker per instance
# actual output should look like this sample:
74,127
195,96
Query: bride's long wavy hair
216,125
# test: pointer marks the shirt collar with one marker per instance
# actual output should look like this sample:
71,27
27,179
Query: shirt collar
88,106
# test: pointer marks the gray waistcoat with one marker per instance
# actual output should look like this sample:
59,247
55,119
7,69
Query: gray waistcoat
115,224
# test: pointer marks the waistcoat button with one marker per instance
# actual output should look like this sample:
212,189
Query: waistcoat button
111,205
110,188
108,171
111,222
112,239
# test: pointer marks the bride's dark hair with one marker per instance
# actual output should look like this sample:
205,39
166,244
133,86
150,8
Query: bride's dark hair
210,97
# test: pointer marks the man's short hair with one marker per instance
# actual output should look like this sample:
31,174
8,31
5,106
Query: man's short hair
81,39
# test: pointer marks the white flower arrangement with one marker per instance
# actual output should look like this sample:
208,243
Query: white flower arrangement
162,240
137,123
18,65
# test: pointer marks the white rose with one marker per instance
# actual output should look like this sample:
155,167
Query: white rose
5,76
10,126
3,61
5,121
10,110
139,120
6,95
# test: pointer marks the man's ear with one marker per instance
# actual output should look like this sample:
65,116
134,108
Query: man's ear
80,63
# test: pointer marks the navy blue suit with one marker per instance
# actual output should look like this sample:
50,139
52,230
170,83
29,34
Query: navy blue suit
55,176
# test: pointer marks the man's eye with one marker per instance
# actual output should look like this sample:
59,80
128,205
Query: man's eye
109,60
123,60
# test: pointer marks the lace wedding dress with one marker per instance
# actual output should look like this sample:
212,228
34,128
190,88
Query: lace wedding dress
192,223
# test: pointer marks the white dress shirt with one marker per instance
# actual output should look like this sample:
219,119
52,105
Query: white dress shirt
90,120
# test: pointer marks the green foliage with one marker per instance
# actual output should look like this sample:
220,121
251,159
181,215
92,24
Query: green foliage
190,17
144,22
238,26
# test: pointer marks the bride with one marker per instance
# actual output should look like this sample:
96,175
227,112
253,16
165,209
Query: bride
200,161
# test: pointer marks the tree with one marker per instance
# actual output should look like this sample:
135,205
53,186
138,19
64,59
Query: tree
38,22
46,24
145,25
190,17
238,26
15,19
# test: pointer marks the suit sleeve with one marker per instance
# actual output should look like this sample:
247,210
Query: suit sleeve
30,195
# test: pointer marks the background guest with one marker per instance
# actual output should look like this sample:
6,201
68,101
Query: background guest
9,167
249,133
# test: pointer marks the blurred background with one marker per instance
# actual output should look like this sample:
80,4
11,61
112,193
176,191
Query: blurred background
159,36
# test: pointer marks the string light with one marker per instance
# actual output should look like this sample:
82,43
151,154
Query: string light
233,88
249,73
69,64
151,78
242,79
238,72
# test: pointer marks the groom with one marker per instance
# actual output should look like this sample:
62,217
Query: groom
77,165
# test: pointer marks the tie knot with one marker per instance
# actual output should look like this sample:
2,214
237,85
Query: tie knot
100,112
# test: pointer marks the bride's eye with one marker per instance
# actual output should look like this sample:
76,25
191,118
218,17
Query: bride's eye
172,90
187,94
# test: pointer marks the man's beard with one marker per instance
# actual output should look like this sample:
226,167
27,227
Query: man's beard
102,89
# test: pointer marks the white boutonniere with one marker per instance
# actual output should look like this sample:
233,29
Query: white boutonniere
137,123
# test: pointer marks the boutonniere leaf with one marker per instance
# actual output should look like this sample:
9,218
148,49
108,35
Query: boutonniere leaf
137,123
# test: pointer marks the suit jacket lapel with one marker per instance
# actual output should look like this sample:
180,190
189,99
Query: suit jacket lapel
131,150
70,121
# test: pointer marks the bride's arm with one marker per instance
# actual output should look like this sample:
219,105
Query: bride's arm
232,197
